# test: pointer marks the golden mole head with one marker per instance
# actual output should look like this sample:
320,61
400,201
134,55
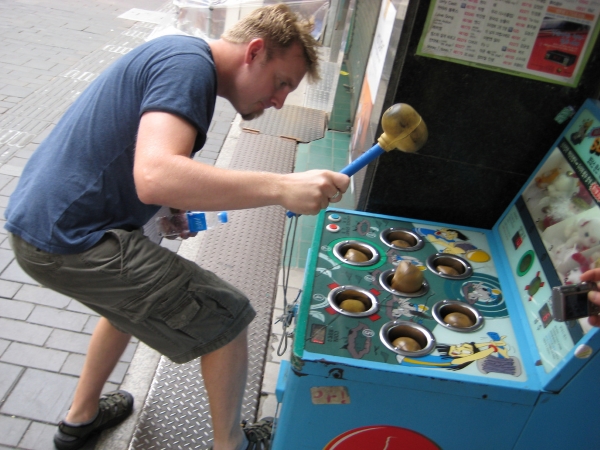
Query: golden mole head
403,128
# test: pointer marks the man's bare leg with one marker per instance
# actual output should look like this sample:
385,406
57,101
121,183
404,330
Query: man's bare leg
224,372
105,349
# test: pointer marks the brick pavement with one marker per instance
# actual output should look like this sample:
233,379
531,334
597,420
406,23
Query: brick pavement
49,52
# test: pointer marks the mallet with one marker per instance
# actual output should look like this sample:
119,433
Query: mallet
403,129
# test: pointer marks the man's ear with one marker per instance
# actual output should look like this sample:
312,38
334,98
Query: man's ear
254,48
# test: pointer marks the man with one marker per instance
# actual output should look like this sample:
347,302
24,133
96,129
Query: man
124,148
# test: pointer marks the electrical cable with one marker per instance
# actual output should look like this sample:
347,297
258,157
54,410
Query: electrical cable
288,309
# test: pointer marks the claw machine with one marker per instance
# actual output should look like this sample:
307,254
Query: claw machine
425,335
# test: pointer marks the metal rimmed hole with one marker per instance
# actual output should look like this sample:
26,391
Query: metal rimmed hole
399,335
402,239
457,316
385,280
340,294
348,251
449,266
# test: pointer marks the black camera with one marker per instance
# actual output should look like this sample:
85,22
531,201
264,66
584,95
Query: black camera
571,302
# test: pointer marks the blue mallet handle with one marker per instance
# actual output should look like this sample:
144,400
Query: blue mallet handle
362,160
357,164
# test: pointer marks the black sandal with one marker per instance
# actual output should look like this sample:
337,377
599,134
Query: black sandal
113,408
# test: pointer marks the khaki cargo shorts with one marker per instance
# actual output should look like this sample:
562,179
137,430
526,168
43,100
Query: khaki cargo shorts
143,289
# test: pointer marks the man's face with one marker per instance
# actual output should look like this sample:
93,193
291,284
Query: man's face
266,84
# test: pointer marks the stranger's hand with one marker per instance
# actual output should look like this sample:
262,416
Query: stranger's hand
311,191
593,276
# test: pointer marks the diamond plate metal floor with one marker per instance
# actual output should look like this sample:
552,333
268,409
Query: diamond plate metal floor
321,95
246,253
293,122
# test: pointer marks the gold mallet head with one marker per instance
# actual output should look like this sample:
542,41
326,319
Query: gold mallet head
403,129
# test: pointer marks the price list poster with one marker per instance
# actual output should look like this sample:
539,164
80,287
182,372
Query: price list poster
548,40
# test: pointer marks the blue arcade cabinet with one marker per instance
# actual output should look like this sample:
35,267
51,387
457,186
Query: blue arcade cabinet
472,356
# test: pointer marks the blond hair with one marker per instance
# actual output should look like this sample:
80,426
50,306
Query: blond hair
281,29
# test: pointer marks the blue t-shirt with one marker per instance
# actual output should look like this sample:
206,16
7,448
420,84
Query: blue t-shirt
79,182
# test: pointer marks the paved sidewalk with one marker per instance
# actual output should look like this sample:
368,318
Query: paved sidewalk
49,52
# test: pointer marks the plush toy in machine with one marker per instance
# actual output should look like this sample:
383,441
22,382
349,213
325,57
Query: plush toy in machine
565,197
544,180
584,263
580,235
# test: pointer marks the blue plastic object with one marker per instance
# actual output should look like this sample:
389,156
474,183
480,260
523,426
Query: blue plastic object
356,165
364,159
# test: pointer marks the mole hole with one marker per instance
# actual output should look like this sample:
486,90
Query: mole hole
450,262
359,248
410,332
444,311
402,236
351,294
